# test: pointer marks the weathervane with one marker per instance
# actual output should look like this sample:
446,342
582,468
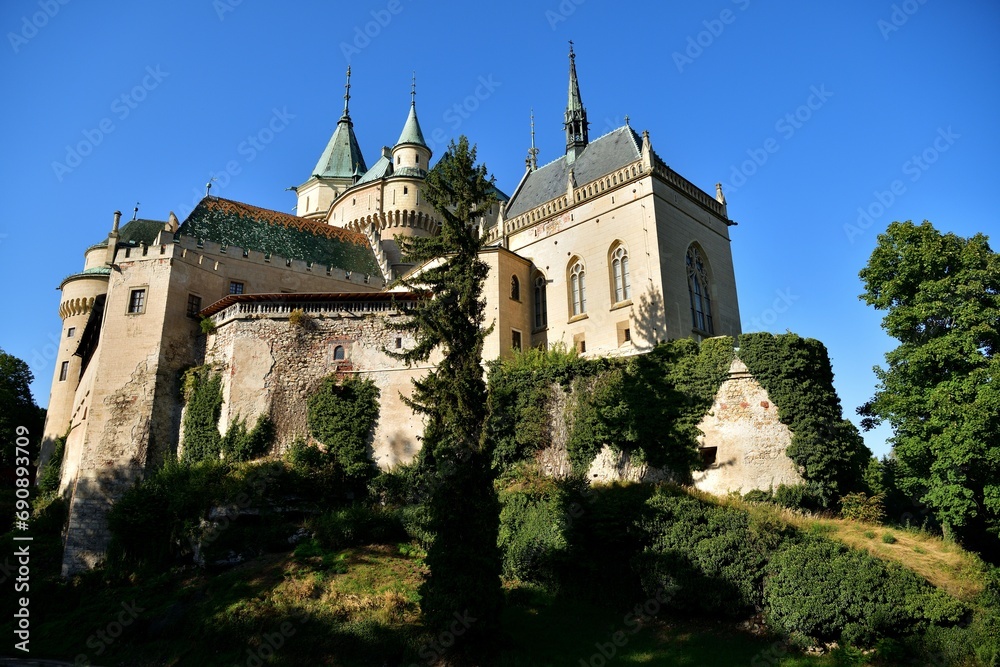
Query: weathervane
135,211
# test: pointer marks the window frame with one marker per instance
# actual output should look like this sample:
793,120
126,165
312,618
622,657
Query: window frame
699,290
577,288
133,308
242,287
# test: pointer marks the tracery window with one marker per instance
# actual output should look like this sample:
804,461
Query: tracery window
698,287
578,288
541,303
621,281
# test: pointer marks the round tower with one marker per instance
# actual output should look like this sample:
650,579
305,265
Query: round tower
80,293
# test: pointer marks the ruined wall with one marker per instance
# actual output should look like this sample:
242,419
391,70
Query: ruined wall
272,366
749,439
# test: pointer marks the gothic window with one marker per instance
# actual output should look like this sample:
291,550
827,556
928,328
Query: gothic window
620,279
698,287
578,288
515,288
338,353
541,307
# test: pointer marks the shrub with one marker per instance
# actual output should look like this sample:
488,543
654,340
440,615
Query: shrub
797,497
355,525
532,535
826,592
203,395
861,507
48,481
299,318
207,326
888,538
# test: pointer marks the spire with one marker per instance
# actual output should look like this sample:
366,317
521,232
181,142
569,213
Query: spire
532,152
411,133
342,157
576,116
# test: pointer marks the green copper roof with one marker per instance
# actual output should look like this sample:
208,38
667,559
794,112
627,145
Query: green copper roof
411,131
342,157
233,223
93,272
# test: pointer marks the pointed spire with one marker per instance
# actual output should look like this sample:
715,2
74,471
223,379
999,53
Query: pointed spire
342,157
577,135
532,161
411,133
347,97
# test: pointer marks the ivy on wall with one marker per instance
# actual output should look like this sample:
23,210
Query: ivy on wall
203,404
342,416
797,375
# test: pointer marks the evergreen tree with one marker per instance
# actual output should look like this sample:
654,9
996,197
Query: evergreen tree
941,388
464,561
17,406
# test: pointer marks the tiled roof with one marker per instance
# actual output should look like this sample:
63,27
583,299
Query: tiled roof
228,222
342,156
93,272
411,133
601,157
379,170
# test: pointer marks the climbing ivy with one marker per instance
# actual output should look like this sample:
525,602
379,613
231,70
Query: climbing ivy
797,375
203,395
239,444
342,416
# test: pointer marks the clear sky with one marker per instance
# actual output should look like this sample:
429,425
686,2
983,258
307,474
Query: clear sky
825,122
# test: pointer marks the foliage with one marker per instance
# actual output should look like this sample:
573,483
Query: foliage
299,318
940,390
824,591
342,416
203,393
17,407
464,560
797,375
207,325
520,391
861,507
356,524
48,480
709,557
533,524
649,405
241,445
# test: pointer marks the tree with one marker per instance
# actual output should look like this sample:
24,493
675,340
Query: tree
939,391
17,406
464,561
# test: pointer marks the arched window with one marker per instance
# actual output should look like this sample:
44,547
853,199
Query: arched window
578,288
620,280
698,287
338,353
541,306
515,288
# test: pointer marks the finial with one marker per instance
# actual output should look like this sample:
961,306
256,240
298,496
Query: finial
571,54
208,187
719,196
533,152
347,91
135,211
413,90
626,121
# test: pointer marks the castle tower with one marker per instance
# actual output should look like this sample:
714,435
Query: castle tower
411,156
82,299
577,133
338,168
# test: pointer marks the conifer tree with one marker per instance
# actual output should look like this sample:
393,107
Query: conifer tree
463,588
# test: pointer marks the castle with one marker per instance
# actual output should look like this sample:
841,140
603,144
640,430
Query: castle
605,249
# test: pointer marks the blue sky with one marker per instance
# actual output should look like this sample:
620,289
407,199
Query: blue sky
825,121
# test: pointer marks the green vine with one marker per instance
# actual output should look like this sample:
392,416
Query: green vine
203,396
342,416
797,375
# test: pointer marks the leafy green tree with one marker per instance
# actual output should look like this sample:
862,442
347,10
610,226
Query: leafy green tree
464,560
940,391
17,406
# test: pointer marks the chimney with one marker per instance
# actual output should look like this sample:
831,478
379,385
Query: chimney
118,217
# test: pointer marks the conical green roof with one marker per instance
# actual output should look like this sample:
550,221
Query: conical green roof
411,131
342,157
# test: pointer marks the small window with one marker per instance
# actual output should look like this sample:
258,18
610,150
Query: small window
405,190
194,305
708,456
624,332
580,343
71,332
137,301
399,159
515,340
399,343
338,353
515,288
63,371
235,287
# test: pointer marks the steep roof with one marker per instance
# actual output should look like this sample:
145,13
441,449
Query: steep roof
411,133
228,222
342,156
600,157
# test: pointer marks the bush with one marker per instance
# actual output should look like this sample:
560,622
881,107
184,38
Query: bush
861,507
888,538
532,535
827,592
241,445
299,318
357,524
48,481
203,395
